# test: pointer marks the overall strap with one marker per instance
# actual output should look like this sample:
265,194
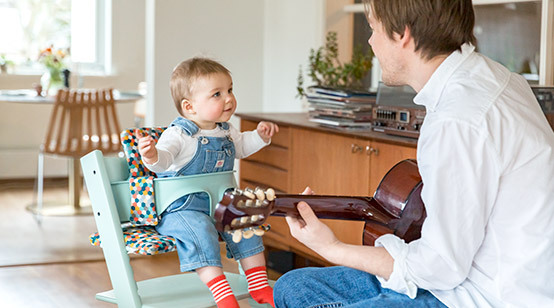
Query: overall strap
190,128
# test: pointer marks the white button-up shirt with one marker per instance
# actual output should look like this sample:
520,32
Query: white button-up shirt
485,155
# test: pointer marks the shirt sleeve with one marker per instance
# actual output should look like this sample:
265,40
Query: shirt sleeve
169,146
460,179
246,143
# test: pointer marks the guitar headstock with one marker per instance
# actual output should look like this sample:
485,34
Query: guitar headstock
243,213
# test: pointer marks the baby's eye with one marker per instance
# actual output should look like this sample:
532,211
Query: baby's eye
230,90
216,94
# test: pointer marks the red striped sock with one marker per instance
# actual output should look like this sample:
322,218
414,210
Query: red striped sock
223,295
258,287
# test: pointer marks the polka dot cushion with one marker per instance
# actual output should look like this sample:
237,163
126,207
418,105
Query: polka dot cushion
142,240
143,208
130,147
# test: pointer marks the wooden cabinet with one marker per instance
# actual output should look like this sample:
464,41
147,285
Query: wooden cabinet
330,163
384,156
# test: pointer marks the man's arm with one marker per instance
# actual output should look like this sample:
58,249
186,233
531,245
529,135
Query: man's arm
310,231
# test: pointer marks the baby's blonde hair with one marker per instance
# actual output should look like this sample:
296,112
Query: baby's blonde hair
186,73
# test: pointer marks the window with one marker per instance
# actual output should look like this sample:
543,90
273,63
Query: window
73,26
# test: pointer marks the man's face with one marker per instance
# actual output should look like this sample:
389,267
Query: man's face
387,52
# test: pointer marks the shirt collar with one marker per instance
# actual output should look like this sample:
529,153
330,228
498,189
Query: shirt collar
430,94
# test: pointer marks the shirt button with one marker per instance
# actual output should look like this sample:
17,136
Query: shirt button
204,141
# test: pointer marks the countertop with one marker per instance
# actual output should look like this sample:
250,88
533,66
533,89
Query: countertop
300,120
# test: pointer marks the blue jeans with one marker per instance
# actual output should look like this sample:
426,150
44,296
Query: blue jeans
332,287
196,237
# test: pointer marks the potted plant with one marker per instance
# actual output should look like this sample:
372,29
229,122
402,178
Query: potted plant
326,70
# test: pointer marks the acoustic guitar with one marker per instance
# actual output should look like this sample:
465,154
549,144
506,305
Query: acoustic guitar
396,207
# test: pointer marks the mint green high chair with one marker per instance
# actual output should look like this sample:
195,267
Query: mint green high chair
108,187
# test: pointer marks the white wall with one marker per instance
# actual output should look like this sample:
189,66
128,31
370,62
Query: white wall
230,32
292,28
261,42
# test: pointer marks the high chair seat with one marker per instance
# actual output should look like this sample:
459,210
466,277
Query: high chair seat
141,240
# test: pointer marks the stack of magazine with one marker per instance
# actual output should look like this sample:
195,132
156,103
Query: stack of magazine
340,108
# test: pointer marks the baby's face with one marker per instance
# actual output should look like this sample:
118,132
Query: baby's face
212,100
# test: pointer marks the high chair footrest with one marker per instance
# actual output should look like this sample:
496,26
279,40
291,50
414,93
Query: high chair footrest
182,290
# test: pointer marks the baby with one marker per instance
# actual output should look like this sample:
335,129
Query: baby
202,141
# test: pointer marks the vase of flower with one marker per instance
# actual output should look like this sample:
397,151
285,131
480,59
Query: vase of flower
52,80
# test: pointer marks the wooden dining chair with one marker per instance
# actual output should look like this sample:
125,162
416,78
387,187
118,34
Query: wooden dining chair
81,121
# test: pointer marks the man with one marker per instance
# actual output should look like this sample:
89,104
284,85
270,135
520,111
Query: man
486,158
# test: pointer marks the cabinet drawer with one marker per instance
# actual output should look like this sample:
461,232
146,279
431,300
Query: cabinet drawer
282,138
264,175
272,155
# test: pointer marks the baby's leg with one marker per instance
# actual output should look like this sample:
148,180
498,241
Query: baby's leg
256,275
198,248
214,278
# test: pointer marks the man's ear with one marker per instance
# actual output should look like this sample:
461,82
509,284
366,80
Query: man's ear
406,37
187,107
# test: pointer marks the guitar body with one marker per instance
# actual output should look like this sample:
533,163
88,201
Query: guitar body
400,193
395,208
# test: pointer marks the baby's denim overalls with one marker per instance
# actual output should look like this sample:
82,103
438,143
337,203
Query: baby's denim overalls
187,219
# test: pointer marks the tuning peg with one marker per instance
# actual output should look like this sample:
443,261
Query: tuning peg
249,203
270,194
237,236
244,219
259,203
235,222
248,233
237,191
259,232
240,204
259,193
255,218
249,193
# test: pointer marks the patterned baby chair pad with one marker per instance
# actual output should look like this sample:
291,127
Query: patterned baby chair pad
141,240
141,181
140,236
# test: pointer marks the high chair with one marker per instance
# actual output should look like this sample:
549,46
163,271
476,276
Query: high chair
107,180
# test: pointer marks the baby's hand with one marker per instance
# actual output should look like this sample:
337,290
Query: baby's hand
147,147
266,130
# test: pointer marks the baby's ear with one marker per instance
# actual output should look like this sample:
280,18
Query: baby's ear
187,107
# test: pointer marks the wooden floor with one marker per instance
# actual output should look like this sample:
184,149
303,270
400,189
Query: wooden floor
52,264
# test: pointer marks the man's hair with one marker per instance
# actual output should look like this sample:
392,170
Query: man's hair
438,27
185,75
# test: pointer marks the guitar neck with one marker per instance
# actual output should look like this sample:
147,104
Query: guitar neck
334,207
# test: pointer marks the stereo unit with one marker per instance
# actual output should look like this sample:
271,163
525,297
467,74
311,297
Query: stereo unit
545,97
395,112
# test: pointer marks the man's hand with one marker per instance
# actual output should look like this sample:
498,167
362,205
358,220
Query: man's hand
310,231
266,130
146,147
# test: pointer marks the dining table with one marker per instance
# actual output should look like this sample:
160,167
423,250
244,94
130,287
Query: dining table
74,206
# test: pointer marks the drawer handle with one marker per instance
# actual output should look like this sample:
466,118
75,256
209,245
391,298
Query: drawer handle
369,150
356,148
